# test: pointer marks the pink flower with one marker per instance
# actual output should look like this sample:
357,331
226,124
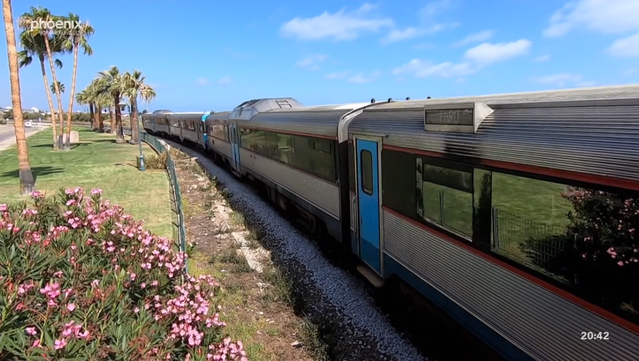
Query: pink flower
96,191
3,207
36,343
59,344
36,194
70,307
31,331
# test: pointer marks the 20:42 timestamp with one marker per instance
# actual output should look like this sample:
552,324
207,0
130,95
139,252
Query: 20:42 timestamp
595,336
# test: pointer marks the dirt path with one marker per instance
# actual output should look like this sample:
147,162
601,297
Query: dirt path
257,301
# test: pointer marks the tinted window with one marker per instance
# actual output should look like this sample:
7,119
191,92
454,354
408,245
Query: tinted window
311,155
446,197
367,171
583,237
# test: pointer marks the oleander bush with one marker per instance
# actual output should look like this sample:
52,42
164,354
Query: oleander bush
81,280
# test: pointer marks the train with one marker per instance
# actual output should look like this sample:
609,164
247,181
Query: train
479,203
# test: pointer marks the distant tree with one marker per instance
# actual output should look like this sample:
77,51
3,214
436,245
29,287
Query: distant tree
134,88
59,87
33,45
113,84
52,42
76,38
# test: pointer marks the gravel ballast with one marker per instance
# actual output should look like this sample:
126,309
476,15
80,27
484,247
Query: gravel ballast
331,296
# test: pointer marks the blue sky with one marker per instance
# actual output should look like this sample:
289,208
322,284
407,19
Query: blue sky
203,55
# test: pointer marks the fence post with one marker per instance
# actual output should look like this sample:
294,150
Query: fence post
441,207
495,221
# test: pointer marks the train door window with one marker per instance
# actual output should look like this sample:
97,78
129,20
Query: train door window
366,169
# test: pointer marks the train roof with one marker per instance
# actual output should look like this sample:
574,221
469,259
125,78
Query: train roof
319,120
585,131
506,100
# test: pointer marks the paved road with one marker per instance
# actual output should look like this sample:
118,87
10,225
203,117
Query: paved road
8,137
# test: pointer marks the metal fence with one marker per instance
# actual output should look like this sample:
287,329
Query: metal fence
175,187
533,243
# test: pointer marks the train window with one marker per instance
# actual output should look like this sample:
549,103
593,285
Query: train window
285,147
529,218
446,197
323,159
322,145
583,237
366,169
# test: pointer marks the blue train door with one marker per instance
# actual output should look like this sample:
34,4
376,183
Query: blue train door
204,140
368,195
235,145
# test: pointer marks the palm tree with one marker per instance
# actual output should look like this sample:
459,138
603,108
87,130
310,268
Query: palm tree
60,86
114,85
34,47
135,87
104,99
52,42
27,182
83,97
77,37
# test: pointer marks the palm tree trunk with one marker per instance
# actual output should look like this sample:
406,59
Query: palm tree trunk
55,85
27,182
134,121
98,117
91,117
112,116
119,138
70,112
50,100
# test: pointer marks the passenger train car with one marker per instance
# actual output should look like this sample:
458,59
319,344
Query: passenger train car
515,213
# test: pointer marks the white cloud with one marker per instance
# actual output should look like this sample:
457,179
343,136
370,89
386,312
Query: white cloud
361,78
427,24
341,25
476,58
542,58
339,75
202,81
488,53
558,79
225,81
475,38
605,16
627,47
422,69
565,79
311,62
424,46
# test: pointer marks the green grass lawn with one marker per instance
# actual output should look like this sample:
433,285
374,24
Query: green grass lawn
96,162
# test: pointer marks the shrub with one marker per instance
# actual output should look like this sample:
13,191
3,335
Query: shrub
156,161
79,279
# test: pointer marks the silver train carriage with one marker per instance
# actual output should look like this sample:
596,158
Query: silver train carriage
483,203
477,202
182,126
293,151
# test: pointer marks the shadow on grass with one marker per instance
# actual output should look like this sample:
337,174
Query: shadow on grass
37,171
73,146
